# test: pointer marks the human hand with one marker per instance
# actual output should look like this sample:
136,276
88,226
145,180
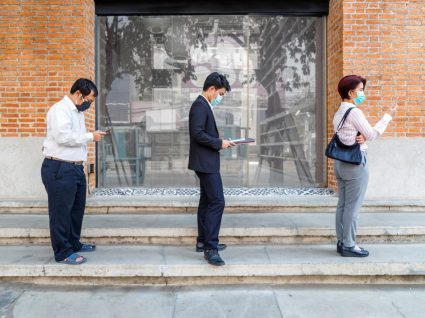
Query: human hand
391,110
227,144
360,139
98,135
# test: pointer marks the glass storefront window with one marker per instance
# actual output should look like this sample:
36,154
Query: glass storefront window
151,68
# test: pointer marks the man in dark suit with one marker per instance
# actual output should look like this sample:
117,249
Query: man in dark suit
204,159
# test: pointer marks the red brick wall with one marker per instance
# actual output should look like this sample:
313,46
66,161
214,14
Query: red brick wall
45,45
334,68
383,41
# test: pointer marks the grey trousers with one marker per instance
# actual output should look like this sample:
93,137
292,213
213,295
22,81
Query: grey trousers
352,184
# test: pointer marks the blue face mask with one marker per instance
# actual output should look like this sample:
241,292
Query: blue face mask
216,100
360,98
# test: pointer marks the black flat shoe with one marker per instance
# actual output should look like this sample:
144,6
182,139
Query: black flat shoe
213,257
201,248
339,247
353,252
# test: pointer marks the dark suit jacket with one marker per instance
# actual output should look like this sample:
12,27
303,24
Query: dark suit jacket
205,145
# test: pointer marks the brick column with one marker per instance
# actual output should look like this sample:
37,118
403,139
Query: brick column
384,42
334,70
45,45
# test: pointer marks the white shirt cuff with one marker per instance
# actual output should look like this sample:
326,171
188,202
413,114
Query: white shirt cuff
89,136
387,117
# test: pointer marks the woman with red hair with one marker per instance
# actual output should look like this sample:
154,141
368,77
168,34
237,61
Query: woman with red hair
353,179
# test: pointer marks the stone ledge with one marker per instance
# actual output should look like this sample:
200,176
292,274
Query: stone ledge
237,204
241,261
236,228
205,270
224,233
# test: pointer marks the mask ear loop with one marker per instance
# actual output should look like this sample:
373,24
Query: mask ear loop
77,99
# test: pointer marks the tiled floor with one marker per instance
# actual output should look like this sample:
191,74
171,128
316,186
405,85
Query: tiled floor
272,191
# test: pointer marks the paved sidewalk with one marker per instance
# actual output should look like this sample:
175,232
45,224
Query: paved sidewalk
349,301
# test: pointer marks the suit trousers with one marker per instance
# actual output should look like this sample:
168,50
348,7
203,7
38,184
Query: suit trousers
65,184
352,184
210,209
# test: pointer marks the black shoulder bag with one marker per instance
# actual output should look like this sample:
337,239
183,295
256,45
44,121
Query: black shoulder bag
339,151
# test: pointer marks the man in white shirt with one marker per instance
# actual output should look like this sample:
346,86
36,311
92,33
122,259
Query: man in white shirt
62,172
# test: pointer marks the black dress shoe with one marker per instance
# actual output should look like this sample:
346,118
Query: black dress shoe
353,252
213,257
201,248
339,246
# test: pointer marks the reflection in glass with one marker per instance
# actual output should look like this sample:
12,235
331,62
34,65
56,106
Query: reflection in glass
151,69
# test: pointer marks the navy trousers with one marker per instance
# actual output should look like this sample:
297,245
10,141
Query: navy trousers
210,209
65,184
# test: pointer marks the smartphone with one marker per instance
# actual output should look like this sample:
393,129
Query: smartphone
108,130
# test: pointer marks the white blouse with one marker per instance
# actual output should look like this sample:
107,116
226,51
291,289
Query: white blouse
357,122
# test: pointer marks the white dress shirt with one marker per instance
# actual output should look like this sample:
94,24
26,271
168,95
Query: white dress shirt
207,101
356,121
67,137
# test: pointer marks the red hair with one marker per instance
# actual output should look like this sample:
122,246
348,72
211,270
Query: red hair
348,83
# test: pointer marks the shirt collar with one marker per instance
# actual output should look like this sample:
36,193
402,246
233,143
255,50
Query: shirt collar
206,100
70,103
346,104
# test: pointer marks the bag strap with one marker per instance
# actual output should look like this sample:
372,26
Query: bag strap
344,118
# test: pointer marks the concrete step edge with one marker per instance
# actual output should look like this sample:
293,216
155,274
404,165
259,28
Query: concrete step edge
228,210
181,265
236,232
165,204
205,270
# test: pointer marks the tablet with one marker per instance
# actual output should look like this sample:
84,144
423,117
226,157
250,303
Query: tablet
242,140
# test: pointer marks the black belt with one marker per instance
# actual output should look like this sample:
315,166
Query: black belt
78,163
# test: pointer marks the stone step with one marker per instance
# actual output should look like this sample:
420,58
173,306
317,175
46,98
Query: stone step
259,264
167,204
241,228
